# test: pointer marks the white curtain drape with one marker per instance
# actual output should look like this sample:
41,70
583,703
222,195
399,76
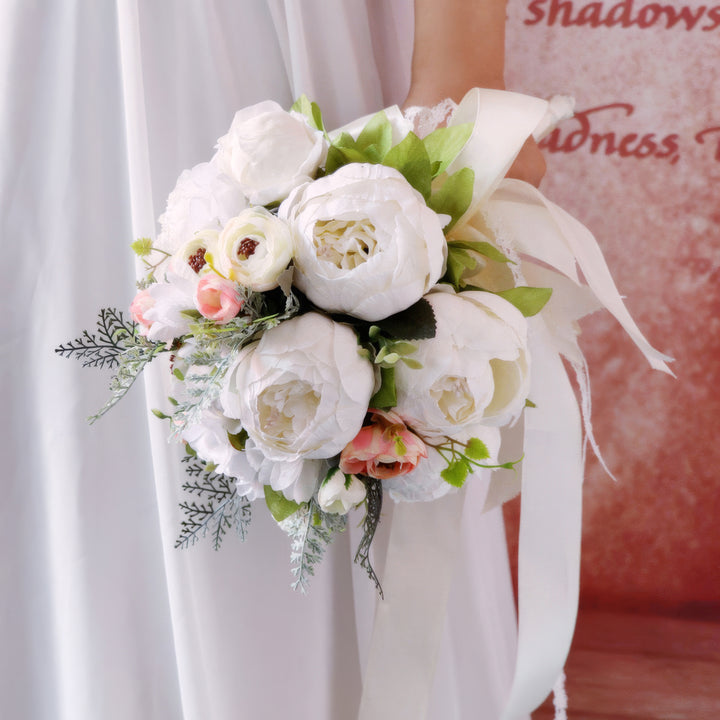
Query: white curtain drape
101,107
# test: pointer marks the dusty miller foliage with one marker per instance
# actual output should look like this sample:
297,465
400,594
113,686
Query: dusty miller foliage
217,509
311,531
213,348
116,344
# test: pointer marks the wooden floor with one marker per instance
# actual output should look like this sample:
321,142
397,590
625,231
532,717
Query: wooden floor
639,667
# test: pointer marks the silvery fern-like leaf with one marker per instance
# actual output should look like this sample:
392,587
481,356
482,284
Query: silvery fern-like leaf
311,531
218,509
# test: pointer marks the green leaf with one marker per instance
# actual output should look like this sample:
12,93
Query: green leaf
402,348
191,313
317,117
528,300
445,143
476,449
142,247
481,247
386,396
280,507
454,197
178,374
414,323
410,158
414,364
376,136
160,414
339,156
238,440
310,110
458,261
529,403
455,473
173,401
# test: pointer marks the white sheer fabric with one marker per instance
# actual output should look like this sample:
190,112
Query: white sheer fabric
102,107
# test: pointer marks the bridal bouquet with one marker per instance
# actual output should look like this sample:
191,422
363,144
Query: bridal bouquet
340,317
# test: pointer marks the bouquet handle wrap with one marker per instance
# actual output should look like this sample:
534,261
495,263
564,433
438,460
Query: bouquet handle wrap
409,620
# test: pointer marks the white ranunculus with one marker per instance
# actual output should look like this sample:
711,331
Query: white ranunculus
188,260
340,493
365,242
302,391
269,151
254,249
203,198
475,370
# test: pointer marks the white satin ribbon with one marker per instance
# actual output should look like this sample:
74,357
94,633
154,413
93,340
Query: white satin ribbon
409,621
549,549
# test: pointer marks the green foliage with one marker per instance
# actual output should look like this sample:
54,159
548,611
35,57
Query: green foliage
453,198
311,531
476,449
375,139
105,348
311,111
220,510
443,144
410,158
142,247
463,458
373,505
279,506
462,257
528,300
238,440
117,344
455,473
386,396
529,403
415,323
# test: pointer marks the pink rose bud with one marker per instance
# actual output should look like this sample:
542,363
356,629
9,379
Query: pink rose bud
383,449
218,299
141,303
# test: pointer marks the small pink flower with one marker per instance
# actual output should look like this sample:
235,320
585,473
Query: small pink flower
141,303
218,299
383,449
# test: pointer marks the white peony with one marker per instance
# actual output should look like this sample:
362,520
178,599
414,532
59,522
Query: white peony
340,493
302,391
209,439
253,249
269,151
365,242
475,370
203,198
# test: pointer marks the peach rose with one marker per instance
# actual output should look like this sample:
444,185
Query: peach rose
383,449
141,303
218,299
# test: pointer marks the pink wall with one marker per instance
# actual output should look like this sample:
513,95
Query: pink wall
640,166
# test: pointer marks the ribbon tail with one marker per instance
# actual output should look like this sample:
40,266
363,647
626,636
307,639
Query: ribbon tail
550,529
409,622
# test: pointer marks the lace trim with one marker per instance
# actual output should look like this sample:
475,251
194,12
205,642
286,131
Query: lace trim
427,119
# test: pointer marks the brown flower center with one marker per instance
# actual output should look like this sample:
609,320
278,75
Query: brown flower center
247,248
197,260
